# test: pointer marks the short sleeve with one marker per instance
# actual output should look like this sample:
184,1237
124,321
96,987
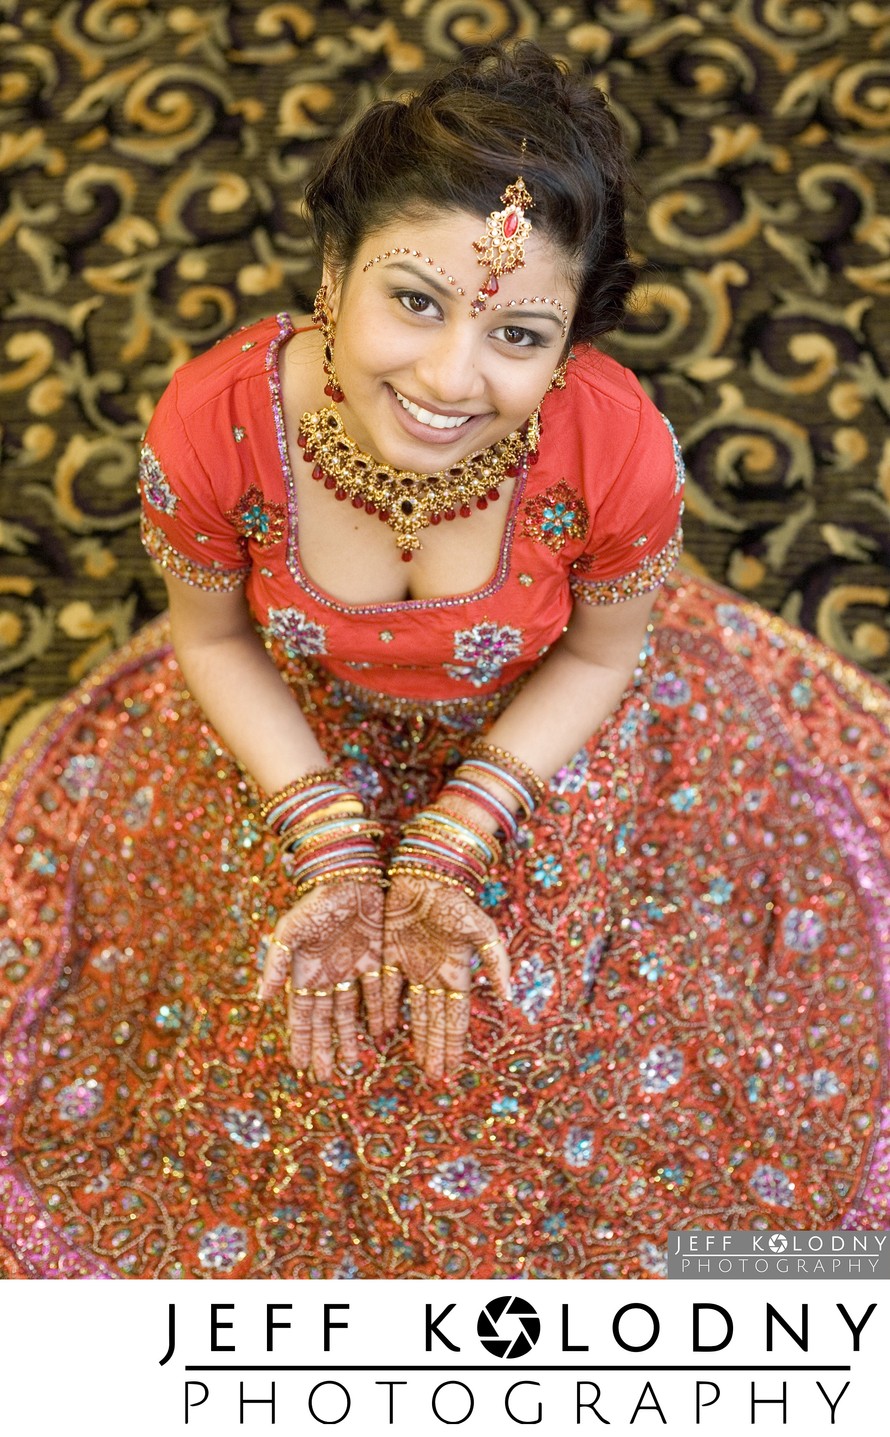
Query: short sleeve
636,535
183,527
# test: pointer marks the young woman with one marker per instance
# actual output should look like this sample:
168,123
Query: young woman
570,923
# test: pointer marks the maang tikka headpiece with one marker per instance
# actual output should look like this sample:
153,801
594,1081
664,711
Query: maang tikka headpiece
502,247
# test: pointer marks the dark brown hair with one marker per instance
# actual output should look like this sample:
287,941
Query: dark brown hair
457,144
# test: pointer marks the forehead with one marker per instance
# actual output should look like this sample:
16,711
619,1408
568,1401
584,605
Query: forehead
444,243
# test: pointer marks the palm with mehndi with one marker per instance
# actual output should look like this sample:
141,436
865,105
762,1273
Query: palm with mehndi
431,932
327,946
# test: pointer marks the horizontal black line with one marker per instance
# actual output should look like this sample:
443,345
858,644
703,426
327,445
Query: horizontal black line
456,1371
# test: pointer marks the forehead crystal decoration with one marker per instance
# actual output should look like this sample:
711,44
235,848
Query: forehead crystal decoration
502,247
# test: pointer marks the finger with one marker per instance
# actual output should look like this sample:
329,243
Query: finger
457,1021
322,1034
299,1019
496,962
393,980
372,995
275,969
346,1020
434,1061
418,1008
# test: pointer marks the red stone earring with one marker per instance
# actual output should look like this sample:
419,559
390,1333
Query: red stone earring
324,319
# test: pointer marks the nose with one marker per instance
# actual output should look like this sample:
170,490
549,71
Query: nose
449,368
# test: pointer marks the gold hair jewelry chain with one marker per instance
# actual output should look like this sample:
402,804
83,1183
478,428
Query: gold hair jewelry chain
407,501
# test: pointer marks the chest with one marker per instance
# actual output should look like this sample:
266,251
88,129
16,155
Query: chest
354,557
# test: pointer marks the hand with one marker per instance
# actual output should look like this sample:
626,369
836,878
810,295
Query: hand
328,944
431,932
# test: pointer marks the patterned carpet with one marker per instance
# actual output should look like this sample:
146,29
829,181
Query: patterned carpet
152,157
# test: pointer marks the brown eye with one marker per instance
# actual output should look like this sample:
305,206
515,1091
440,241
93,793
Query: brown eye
415,303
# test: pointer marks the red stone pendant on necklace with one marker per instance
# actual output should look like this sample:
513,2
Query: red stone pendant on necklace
405,500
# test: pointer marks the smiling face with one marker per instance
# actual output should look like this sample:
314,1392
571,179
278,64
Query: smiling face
427,383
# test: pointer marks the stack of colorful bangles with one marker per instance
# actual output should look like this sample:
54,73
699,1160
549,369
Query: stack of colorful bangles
438,843
322,824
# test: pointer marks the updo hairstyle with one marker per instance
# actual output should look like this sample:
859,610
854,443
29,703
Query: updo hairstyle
457,144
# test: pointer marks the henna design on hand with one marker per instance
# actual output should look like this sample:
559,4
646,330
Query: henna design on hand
327,945
430,934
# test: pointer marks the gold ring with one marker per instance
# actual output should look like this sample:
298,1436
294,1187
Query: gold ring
302,992
436,992
374,973
391,968
492,943
456,993
343,987
416,988
277,943
321,992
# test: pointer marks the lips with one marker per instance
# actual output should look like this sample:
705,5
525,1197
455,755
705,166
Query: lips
434,419
431,426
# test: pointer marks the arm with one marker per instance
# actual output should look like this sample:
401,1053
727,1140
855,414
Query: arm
576,688
330,939
238,686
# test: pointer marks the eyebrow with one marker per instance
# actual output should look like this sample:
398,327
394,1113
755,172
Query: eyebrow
447,291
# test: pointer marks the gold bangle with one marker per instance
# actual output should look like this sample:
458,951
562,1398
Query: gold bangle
350,808
482,833
417,872
290,790
310,840
363,875
480,748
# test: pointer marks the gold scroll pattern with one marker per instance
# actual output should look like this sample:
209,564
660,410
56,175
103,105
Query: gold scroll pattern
152,159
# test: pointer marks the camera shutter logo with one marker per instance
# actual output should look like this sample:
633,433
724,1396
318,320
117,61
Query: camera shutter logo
777,1242
519,1331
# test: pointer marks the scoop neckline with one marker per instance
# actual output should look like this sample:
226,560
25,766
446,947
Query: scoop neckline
286,331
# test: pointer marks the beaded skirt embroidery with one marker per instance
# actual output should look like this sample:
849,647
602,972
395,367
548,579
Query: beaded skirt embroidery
700,929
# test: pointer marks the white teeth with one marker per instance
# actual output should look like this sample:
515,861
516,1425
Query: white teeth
435,421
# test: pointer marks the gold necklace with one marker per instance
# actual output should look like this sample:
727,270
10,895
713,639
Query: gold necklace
403,499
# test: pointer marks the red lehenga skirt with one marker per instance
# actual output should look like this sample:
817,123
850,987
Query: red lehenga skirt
700,929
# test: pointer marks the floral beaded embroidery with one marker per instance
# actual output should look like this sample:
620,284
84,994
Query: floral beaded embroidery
651,573
154,484
257,519
679,465
555,517
297,632
201,576
483,650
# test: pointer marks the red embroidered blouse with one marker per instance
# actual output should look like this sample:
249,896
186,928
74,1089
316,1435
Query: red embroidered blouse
596,520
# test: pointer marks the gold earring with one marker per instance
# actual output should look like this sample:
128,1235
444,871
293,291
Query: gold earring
325,321
559,375
533,435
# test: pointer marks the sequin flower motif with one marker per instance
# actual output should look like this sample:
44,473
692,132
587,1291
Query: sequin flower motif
81,1099
154,483
532,986
248,1130
555,517
482,652
254,517
222,1247
463,1178
660,1069
298,633
772,1186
